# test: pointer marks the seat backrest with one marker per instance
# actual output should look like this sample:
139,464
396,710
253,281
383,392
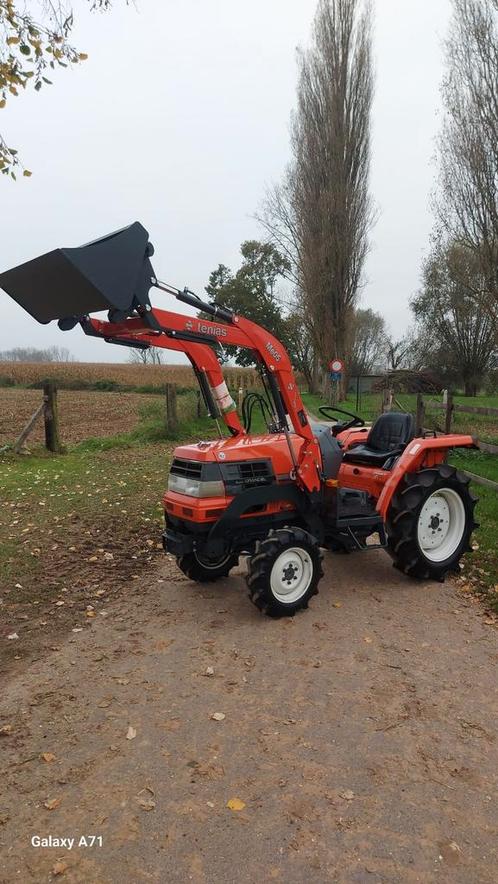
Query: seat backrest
390,431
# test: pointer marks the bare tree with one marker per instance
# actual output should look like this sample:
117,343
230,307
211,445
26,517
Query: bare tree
33,354
330,201
367,334
278,217
152,356
459,337
467,198
59,354
397,352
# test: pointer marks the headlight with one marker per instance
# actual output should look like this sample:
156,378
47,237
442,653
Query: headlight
195,487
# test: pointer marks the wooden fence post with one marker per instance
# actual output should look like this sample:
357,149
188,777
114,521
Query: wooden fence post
420,415
29,426
387,401
448,413
171,411
51,417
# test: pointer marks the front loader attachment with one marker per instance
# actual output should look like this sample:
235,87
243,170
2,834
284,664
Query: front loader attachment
112,273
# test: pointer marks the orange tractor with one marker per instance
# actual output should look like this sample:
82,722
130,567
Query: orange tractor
281,496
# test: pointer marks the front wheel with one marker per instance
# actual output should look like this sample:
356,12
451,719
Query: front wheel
430,522
203,569
284,572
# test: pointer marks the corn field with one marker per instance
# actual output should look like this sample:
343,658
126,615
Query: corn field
105,375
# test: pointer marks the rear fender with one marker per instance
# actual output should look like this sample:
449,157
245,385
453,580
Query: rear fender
420,453
353,436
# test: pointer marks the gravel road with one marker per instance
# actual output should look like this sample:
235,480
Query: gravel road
355,743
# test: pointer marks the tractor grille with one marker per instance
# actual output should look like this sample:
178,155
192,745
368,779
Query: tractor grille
246,474
189,469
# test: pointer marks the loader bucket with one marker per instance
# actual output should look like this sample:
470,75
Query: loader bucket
112,273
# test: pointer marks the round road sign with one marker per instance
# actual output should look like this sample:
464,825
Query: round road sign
336,365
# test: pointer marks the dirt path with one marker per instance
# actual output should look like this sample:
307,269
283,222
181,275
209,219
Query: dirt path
361,737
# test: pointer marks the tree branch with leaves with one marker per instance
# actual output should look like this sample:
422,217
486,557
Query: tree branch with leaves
34,41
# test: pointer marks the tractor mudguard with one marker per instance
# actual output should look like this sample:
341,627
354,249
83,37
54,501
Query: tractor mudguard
112,273
417,454
305,503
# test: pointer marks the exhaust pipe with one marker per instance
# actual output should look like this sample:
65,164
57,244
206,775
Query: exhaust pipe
113,273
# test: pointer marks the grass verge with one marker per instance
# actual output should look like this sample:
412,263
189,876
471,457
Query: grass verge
76,529
481,568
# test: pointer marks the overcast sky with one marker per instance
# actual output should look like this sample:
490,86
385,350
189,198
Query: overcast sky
180,119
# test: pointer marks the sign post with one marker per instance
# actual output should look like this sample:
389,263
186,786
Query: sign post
336,368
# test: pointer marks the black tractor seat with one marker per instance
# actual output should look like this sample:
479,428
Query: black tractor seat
386,440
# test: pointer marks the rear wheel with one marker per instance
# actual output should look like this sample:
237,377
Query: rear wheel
430,522
284,572
203,569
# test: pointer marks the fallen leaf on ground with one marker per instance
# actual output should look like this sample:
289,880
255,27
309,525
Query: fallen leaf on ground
236,804
131,733
218,716
147,803
145,799
59,868
450,852
173,725
52,803
368,640
209,671
337,604
348,794
163,644
5,730
12,636
47,756
104,704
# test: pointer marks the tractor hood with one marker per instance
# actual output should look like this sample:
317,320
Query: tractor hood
112,273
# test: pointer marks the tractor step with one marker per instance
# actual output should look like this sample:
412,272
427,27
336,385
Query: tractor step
358,529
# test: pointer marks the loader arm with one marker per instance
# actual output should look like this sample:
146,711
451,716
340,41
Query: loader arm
196,337
201,356
114,273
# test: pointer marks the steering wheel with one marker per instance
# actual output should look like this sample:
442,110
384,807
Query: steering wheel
356,421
